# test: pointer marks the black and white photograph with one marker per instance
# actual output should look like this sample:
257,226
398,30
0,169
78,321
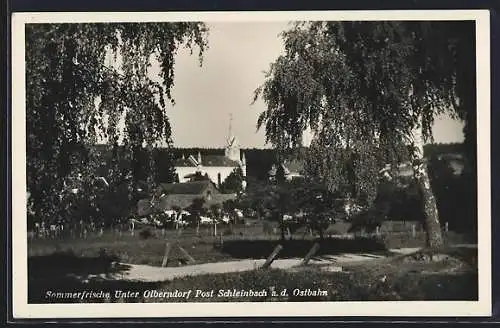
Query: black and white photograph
251,164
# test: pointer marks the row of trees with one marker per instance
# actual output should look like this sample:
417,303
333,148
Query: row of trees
314,205
272,201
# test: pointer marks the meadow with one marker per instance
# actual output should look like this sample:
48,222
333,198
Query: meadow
73,264
251,240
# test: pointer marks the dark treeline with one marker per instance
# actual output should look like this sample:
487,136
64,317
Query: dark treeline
179,152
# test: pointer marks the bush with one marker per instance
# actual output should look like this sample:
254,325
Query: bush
333,231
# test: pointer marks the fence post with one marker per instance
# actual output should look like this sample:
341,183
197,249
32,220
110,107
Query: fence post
413,231
186,254
310,254
165,257
271,257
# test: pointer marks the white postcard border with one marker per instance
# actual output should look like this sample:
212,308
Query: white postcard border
23,310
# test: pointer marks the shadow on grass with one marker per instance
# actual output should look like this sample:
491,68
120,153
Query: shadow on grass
59,277
258,249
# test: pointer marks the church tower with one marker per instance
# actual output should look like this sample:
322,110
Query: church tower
232,150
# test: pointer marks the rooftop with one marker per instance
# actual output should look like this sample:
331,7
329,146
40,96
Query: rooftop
186,188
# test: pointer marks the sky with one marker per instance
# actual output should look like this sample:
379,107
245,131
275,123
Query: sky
233,67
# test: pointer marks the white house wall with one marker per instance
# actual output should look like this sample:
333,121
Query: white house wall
213,172
182,171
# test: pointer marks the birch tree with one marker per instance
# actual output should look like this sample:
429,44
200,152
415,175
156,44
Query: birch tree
73,98
369,92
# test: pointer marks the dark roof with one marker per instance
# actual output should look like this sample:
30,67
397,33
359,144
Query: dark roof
207,160
217,160
183,162
187,188
166,203
182,201
179,200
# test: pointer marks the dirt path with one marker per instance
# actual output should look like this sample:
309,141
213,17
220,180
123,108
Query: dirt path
146,273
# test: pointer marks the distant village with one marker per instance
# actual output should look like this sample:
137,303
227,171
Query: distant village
202,173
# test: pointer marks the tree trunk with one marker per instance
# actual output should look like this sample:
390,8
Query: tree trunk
282,228
321,234
433,227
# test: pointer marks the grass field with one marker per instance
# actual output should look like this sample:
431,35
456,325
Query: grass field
57,265
137,250
242,241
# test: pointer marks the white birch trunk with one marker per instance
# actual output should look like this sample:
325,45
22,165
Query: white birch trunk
433,227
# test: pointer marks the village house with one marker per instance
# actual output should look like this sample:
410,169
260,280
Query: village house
170,196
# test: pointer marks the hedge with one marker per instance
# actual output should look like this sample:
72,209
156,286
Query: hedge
258,249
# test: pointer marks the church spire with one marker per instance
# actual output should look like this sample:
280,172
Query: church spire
232,150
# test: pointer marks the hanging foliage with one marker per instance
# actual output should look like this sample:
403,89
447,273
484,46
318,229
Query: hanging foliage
370,92
74,98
